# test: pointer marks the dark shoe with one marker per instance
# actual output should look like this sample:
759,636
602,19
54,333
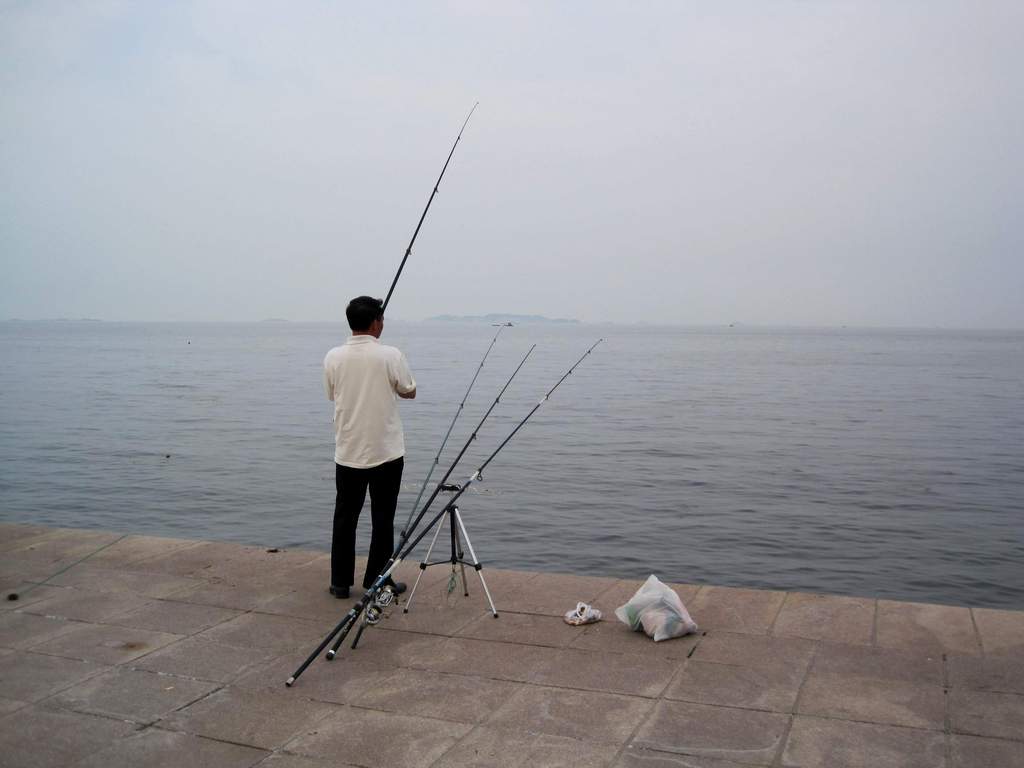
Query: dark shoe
398,587
340,592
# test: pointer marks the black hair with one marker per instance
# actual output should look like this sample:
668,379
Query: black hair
362,311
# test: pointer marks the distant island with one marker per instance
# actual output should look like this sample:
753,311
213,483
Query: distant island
499,318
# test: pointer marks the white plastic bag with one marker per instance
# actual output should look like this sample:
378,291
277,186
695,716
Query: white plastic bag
582,614
658,611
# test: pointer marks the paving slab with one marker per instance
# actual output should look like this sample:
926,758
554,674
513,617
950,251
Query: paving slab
135,548
923,627
976,752
446,619
620,673
826,617
7,706
772,678
105,644
380,740
262,630
524,628
986,713
262,563
239,594
31,677
487,747
585,715
309,602
61,546
264,719
727,609
13,533
85,605
879,663
340,681
740,735
156,748
45,737
633,757
188,561
875,685
552,594
890,702
1002,632
820,743
204,660
172,616
459,698
749,671
135,695
480,658
29,593
1004,674
395,649
285,760
23,630
90,577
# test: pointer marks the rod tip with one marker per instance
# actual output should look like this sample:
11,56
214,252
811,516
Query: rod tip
289,681
330,655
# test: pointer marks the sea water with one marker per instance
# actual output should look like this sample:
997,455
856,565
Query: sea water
865,462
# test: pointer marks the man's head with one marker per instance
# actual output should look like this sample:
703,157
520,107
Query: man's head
365,315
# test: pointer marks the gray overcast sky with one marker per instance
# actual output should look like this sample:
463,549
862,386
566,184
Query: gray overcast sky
763,162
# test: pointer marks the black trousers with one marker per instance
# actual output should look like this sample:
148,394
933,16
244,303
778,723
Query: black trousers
384,482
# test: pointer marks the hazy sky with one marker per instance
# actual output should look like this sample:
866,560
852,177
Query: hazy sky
764,162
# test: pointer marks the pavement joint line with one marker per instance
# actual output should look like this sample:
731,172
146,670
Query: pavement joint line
157,727
978,641
659,699
775,619
304,730
874,625
795,707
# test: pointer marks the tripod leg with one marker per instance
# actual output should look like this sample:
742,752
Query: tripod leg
458,551
423,569
476,563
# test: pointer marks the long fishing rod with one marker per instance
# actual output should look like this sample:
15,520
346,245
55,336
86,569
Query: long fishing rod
478,475
419,224
396,561
455,418
473,435
344,626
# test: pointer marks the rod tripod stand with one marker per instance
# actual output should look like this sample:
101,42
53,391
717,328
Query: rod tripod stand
457,531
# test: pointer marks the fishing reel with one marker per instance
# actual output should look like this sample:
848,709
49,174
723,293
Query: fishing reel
385,597
374,613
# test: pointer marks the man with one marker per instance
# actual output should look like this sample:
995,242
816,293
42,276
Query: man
362,377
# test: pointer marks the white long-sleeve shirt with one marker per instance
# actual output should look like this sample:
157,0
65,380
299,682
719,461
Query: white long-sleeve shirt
362,377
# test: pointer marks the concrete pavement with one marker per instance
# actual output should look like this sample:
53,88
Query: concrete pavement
164,652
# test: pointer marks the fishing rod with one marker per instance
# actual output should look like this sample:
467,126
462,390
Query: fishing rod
459,490
378,587
408,250
442,482
458,412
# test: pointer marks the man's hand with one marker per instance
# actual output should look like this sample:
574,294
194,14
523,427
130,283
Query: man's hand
411,395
